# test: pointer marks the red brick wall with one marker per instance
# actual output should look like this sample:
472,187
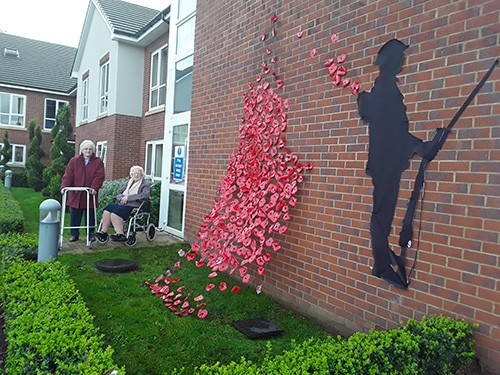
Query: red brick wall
323,267
35,109
123,134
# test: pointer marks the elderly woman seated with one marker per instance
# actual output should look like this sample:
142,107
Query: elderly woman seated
130,196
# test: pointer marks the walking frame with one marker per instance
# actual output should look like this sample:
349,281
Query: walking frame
90,238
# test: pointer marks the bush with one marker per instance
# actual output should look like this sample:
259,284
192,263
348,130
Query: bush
19,178
15,245
11,215
48,328
437,345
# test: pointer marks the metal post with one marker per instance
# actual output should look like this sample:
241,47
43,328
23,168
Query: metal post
8,179
50,218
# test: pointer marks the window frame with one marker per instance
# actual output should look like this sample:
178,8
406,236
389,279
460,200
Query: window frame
101,149
85,99
150,166
45,118
162,54
10,114
104,87
13,147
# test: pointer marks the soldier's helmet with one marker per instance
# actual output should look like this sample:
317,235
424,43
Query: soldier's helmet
391,55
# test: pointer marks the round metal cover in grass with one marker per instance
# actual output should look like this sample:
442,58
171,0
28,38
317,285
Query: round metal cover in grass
116,265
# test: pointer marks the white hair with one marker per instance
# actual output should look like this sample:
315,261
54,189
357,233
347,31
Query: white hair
137,168
87,144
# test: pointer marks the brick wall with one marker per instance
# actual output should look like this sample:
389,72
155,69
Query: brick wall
323,267
35,109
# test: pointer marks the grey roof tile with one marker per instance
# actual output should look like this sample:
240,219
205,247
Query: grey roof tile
40,65
126,18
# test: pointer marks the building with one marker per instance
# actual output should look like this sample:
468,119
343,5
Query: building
323,267
35,82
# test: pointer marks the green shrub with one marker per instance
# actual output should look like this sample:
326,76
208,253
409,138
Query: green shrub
11,215
49,329
437,345
19,178
16,245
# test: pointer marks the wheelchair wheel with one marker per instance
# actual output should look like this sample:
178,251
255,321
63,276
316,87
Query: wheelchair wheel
150,232
131,240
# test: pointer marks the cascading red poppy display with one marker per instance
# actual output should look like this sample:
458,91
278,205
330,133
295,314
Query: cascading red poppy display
258,191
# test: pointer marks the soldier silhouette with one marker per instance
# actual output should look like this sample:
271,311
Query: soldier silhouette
391,146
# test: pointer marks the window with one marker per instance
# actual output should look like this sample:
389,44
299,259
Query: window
18,154
104,88
101,149
12,109
85,99
158,78
186,7
51,108
185,36
154,155
183,84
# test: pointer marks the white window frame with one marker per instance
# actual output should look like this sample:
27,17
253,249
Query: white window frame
101,150
45,118
10,114
151,163
162,58
13,147
104,88
85,99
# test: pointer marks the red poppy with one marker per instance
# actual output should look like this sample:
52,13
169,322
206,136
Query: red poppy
260,271
175,279
191,256
335,38
341,58
313,53
299,34
258,78
209,287
159,278
332,69
181,253
274,18
329,62
273,59
236,289
200,262
279,83
198,298
268,51
212,275
346,82
245,278
263,37
177,264
355,88
341,70
222,286
195,246
202,313
336,79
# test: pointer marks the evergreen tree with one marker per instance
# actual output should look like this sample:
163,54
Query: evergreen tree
60,153
34,167
5,153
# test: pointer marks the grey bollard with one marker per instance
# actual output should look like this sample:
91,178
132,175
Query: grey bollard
50,218
8,179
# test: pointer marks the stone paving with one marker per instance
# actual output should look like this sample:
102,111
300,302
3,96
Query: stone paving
80,246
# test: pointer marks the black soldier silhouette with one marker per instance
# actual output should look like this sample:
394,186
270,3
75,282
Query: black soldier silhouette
391,146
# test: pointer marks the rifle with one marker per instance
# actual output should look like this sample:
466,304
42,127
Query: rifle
406,234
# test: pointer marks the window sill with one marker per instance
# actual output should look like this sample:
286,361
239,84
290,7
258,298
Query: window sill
14,127
102,115
155,110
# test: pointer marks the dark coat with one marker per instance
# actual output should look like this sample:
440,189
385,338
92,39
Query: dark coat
78,174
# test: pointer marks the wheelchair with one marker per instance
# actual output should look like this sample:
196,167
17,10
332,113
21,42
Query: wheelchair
137,222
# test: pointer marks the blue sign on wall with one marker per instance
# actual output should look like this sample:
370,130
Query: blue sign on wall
179,163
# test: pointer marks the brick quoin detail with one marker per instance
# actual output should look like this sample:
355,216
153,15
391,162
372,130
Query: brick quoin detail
323,267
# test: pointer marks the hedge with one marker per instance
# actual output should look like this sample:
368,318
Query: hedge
49,329
17,245
11,215
437,345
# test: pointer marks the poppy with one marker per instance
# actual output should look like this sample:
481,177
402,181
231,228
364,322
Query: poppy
279,83
191,256
274,18
268,51
329,62
202,313
341,70
273,32
336,80
299,34
195,246
332,69
159,278
341,58
273,59
355,88
313,53
175,279
236,289
212,275
177,264
258,78
335,38
346,82
209,287
198,298
222,286
181,253
200,262
263,37
260,271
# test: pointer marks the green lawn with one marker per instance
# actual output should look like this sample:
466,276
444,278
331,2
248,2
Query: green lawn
149,339
29,201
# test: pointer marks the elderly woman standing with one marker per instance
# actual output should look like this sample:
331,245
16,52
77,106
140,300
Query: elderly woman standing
85,170
130,196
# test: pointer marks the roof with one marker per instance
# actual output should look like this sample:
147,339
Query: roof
126,18
39,65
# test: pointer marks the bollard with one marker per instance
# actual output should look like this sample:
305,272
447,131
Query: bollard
50,218
8,179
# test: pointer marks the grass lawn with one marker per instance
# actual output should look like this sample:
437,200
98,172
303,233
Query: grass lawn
29,200
149,339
